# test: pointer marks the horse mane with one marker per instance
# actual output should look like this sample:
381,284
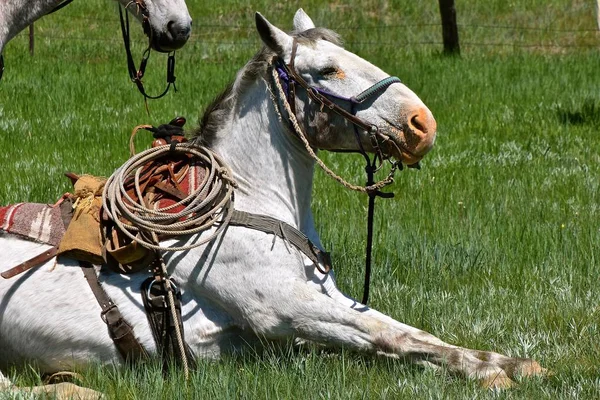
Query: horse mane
217,112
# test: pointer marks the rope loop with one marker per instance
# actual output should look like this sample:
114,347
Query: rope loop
208,206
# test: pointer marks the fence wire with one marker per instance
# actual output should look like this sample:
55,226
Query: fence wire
206,31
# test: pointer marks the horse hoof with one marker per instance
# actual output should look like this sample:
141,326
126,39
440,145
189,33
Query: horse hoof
497,381
530,368
64,391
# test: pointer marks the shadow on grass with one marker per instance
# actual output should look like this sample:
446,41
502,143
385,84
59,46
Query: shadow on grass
586,114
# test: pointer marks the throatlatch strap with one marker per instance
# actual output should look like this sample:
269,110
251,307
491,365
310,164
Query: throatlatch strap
120,331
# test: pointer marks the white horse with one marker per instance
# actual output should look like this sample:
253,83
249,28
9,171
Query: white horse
169,22
247,286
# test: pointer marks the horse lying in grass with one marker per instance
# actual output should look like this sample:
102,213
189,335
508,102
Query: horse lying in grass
246,286
169,24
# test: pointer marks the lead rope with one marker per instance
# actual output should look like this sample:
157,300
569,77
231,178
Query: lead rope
209,205
166,281
372,189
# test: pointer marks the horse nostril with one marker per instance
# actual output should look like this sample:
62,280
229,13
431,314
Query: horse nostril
421,124
417,125
178,31
171,28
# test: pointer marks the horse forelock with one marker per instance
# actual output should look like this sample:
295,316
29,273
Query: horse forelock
215,114
311,36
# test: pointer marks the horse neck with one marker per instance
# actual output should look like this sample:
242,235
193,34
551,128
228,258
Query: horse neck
272,168
16,15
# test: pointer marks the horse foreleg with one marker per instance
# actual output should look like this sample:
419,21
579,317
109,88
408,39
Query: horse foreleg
303,312
514,367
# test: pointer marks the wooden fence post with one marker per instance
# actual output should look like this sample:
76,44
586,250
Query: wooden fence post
31,39
598,13
449,28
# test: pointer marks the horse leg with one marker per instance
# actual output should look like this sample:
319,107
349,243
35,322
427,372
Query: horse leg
59,391
63,391
514,367
292,308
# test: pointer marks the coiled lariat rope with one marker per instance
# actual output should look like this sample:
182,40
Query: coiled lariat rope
211,204
389,179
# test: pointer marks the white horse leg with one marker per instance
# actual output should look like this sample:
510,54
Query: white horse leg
59,391
512,366
279,308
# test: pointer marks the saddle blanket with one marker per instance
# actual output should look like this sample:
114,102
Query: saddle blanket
41,223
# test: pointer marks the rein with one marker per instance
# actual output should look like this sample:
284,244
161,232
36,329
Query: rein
60,6
288,74
136,74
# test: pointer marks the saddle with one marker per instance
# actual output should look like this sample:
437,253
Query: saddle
93,237
78,227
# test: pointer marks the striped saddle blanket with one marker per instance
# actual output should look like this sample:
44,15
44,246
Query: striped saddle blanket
41,223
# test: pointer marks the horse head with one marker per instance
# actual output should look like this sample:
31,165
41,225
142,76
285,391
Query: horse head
166,22
387,116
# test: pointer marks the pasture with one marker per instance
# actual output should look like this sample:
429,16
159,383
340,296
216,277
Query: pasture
492,245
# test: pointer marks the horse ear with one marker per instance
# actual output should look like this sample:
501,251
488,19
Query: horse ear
273,37
302,21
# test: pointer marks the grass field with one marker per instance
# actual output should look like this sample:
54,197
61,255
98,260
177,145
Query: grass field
493,245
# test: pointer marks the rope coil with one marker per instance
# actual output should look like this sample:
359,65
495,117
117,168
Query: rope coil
207,206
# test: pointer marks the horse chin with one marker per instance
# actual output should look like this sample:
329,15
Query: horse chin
406,157
409,158
393,146
163,43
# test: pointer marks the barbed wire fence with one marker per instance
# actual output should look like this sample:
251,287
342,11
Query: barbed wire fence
502,35
199,38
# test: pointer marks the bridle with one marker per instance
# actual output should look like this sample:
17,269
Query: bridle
286,74
136,74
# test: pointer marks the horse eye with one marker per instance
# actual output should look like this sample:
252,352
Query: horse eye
328,71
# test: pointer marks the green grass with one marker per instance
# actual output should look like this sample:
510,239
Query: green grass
492,245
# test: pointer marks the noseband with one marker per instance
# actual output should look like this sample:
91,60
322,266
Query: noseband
286,74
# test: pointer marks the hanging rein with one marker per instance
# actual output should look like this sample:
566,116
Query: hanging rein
135,74
287,74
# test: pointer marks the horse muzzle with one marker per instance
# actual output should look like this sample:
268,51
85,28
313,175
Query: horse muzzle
174,37
410,140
